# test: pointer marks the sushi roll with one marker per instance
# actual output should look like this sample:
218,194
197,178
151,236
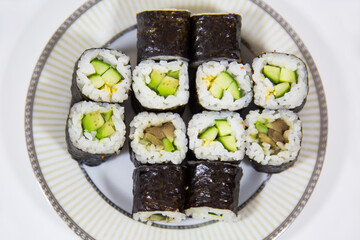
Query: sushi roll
163,34
215,37
101,75
213,191
95,131
159,193
223,85
281,81
161,86
158,138
273,139
217,136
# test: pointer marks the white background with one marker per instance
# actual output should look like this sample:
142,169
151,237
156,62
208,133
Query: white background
329,28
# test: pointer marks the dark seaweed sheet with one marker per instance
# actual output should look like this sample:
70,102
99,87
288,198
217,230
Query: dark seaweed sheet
159,188
163,33
213,184
215,37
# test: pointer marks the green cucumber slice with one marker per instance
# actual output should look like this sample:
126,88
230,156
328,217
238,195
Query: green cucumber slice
229,142
216,90
209,134
174,74
287,75
261,127
111,76
96,80
281,89
224,79
234,90
107,115
223,126
272,73
100,66
168,146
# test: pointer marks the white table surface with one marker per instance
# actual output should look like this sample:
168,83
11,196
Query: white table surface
329,28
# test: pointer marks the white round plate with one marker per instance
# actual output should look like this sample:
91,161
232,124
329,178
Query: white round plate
96,202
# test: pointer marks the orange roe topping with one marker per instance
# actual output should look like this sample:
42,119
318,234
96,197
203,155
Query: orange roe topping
242,67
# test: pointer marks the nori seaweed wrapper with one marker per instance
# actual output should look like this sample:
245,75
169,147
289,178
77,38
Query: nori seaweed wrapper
213,184
159,188
271,168
215,37
163,33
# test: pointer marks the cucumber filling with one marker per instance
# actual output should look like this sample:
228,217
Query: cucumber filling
98,124
222,82
161,136
272,133
105,76
164,84
281,77
221,132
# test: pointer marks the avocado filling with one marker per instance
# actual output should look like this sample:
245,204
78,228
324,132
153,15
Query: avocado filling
161,136
98,124
222,82
281,77
164,84
272,133
220,132
105,76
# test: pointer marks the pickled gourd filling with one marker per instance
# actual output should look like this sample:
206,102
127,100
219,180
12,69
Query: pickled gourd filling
272,133
98,124
161,136
281,77
221,132
105,76
164,84
220,83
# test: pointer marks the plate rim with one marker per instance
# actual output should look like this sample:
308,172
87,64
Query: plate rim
84,8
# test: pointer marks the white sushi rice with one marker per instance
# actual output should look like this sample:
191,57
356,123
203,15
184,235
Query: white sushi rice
172,217
116,59
264,88
240,72
87,142
261,153
201,213
148,97
214,150
149,153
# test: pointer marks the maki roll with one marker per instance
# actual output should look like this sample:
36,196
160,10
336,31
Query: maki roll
213,191
163,34
223,85
95,132
158,138
217,136
159,193
273,139
215,37
101,75
281,81
161,85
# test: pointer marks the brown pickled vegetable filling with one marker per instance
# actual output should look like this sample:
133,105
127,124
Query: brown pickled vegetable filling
272,133
161,136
